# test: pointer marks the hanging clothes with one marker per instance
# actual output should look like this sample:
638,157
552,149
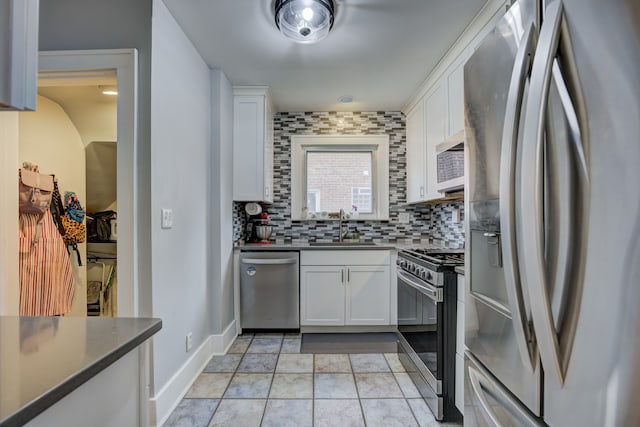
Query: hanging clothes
46,277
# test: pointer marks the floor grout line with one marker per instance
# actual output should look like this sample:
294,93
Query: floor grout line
314,365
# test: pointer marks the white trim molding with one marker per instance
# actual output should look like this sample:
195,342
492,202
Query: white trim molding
71,64
488,14
170,395
380,143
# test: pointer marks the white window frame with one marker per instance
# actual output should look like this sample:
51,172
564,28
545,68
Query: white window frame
379,145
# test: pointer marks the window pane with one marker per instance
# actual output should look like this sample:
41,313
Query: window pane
313,200
338,180
361,197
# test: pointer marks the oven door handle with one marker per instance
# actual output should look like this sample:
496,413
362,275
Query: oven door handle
434,293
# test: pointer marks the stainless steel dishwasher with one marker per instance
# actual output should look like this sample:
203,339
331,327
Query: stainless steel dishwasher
269,290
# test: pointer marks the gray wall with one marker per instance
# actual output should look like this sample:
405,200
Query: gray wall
220,259
427,222
114,24
176,279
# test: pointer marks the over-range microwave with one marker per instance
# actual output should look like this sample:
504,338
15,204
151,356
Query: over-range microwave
450,163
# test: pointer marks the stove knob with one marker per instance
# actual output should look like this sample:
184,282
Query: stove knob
429,276
420,272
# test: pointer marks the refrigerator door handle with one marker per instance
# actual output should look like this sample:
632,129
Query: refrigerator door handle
572,119
482,385
570,241
507,196
532,196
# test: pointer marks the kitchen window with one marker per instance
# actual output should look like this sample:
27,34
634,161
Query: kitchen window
340,172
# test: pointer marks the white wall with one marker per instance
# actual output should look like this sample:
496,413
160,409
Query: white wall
180,135
9,290
221,224
97,123
48,138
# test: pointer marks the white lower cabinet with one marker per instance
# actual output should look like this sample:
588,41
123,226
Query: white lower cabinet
338,293
367,295
322,293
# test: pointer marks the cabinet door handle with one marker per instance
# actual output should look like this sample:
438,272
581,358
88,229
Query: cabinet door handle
348,274
342,275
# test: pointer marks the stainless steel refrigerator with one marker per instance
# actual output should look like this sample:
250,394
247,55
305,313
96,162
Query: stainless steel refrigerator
552,323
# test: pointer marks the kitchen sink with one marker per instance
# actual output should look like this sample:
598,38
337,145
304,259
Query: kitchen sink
341,244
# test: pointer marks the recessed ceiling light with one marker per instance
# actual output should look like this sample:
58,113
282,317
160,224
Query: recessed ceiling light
345,99
109,90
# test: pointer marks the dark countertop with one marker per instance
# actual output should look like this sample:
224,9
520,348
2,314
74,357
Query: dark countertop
43,359
307,246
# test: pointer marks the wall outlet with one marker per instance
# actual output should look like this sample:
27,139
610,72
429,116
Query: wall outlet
455,216
404,218
189,341
167,218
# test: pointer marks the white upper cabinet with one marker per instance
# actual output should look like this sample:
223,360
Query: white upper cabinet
416,155
18,54
252,144
455,96
440,104
436,116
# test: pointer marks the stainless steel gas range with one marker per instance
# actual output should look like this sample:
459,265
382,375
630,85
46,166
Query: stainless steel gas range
427,294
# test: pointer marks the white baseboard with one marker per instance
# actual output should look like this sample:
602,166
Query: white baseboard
222,342
170,395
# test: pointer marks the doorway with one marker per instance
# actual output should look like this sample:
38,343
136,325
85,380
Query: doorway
83,66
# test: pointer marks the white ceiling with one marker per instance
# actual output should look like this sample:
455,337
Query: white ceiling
93,114
379,51
95,117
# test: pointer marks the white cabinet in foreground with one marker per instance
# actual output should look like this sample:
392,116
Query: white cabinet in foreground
18,54
344,288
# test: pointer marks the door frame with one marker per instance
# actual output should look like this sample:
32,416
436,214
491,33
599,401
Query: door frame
69,63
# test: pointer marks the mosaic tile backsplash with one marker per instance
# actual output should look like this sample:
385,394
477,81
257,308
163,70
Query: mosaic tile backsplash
431,223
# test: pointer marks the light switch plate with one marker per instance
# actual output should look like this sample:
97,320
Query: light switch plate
404,217
455,216
167,218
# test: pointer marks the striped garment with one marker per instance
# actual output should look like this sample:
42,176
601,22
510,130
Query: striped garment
46,277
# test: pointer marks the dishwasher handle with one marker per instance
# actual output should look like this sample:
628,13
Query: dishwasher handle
269,261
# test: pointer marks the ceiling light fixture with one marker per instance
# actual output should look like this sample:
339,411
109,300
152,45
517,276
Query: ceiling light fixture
304,21
109,90
345,99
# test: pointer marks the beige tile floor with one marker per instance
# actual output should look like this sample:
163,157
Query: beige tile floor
263,380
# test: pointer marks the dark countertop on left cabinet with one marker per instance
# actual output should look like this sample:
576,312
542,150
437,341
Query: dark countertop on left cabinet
43,359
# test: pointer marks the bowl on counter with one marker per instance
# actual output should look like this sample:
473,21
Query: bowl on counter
263,232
